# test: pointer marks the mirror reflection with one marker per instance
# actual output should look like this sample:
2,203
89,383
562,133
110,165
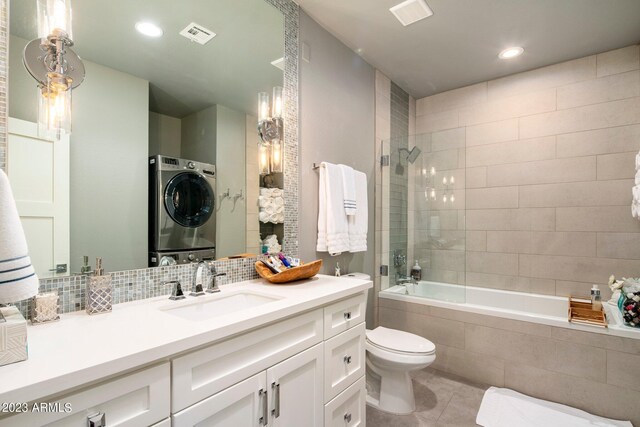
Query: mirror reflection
161,165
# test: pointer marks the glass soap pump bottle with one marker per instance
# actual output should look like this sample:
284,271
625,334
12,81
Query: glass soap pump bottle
99,291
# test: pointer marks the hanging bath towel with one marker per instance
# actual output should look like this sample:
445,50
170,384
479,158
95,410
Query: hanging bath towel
333,229
358,223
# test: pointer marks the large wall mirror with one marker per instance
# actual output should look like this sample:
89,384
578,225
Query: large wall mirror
152,113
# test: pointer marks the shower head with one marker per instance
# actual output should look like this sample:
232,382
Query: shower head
412,155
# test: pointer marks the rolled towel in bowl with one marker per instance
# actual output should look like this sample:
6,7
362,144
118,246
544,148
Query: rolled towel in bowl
267,192
278,201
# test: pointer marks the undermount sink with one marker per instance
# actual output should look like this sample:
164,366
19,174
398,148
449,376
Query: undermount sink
208,307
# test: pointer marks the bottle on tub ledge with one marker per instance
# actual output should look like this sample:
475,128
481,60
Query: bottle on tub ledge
416,272
99,291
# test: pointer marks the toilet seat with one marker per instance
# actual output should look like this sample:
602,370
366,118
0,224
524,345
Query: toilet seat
399,342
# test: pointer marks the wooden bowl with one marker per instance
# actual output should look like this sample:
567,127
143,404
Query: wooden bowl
305,271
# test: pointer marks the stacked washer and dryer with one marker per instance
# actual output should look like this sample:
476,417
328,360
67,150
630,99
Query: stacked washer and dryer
182,211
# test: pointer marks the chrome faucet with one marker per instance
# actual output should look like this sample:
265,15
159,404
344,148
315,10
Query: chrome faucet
214,280
197,287
176,291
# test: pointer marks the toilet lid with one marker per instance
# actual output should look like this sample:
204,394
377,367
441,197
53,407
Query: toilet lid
400,341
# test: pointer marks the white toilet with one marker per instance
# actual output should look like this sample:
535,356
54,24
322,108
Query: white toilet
391,355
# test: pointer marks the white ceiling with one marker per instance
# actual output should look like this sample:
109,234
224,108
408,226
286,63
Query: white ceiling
184,77
459,44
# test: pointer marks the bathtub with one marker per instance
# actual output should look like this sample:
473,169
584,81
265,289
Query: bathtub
543,309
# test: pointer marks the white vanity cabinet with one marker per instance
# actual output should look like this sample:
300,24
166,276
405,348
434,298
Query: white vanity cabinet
287,394
304,369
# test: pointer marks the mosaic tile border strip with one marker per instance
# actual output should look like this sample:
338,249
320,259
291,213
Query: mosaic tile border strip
145,283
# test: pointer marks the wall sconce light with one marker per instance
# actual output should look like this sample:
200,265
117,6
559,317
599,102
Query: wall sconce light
57,69
270,129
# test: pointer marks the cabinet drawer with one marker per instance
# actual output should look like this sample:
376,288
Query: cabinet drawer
205,372
138,399
348,409
164,423
342,315
344,357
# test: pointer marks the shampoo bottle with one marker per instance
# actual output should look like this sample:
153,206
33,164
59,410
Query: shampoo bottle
596,299
416,272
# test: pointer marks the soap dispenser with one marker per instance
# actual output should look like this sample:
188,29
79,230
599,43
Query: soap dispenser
596,299
99,291
416,272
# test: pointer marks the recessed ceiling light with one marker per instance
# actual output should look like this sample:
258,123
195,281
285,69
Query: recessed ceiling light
411,11
149,29
511,52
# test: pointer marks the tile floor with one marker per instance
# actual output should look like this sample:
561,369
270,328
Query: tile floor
441,400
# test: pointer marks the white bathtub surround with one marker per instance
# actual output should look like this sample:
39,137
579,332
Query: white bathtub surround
540,355
502,407
142,332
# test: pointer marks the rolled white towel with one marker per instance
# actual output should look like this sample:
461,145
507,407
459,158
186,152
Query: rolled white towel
267,192
280,217
277,192
638,162
270,210
278,201
635,210
636,193
264,201
263,216
638,178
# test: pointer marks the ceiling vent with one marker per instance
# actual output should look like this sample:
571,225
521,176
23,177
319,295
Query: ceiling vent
197,33
411,11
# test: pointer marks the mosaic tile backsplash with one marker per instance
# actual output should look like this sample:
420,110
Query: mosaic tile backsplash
132,285
145,283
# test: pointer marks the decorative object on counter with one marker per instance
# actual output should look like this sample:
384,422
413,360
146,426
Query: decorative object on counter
338,269
99,291
271,131
45,308
304,271
13,336
616,289
416,272
86,268
271,244
581,311
271,204
629,302
57,69
18,279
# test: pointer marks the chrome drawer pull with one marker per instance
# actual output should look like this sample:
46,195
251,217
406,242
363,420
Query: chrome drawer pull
347,359
347,315
99,419
276,406
264,419
347,417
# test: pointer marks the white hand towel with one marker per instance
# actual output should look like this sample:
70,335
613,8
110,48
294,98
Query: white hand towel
333,229
358,224
263,216
349,190
18,279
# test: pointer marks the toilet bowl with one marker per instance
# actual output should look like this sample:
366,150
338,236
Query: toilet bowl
391,355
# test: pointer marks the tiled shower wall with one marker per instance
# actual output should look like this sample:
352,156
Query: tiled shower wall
146,283
549,165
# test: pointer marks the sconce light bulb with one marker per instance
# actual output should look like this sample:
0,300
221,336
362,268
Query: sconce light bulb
433,171
453,198
444,180
452,180
433,193
444,198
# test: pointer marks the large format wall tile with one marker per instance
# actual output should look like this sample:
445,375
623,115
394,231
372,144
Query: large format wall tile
610,88
618,61
512,152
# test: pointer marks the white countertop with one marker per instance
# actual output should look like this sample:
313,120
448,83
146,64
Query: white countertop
80,349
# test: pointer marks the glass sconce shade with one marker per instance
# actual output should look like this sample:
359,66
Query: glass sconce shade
54,109
278,102
264,151
277,154
263,106
54,18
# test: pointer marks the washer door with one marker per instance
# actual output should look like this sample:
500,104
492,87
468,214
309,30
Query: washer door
189,199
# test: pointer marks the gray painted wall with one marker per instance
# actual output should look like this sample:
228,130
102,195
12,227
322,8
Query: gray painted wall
231,227
110,144
108,157
164,135
199,135
337,119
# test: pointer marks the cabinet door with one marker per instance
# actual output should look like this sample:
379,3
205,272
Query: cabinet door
242,405
296,393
